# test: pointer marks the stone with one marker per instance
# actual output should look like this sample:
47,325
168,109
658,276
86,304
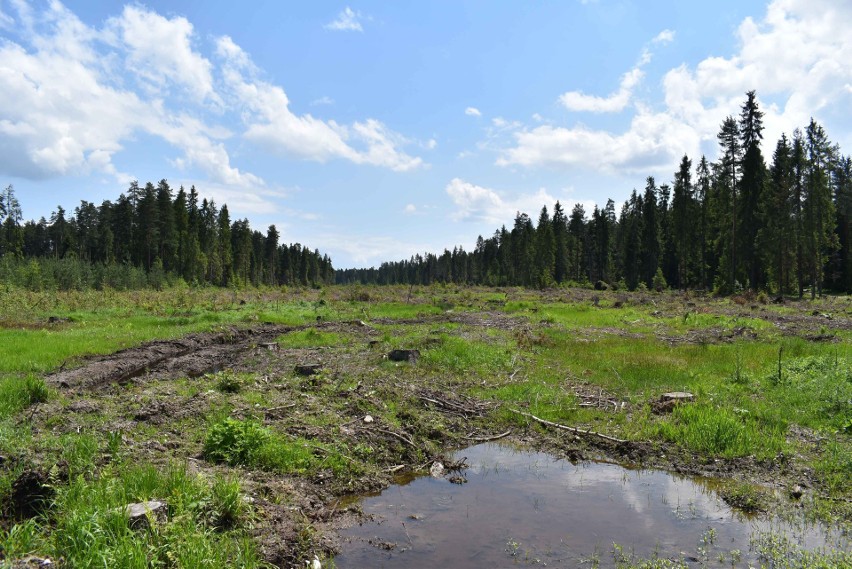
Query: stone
436,470
404,355
368,419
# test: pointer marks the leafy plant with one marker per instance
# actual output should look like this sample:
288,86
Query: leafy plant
235,442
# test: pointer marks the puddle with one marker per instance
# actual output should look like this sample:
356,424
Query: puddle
529,508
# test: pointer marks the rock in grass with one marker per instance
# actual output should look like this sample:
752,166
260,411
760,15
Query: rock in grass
140,514
404,355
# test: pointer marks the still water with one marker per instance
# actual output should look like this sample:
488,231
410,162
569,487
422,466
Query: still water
524,508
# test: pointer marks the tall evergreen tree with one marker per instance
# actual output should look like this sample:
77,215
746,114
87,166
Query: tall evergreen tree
684,221
819,207
650,238
753,176
545,250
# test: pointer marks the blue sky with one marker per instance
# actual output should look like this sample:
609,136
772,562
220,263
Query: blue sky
376,130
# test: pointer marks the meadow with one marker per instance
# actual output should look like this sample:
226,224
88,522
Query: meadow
256,415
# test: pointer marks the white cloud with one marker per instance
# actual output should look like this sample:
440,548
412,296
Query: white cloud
6,21
159,50
797,57
326,100
616,102
410,208
578,101
664,37
472,112
273,126
347,20
366,251
478,203
73,96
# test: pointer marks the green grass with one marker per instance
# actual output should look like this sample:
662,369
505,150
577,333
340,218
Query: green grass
91,529
721,432
462,356
17,393
310,338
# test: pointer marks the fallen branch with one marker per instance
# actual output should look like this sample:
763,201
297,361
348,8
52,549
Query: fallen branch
397,435
574,430
395,469
486,439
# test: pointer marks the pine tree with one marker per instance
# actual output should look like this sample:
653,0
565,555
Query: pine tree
577,243
560,244
843,206
650,238
224,250
684,221
702,191
727,180
819,208
11,232
545,250
775,211
753,176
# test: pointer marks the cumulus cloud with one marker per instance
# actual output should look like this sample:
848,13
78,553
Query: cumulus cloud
478,203
618,101
273,126
578,101
410,208
472,112
347,20
795,56
160,51
74,96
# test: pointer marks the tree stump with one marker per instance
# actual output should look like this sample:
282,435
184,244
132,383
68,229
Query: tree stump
308,369
404,355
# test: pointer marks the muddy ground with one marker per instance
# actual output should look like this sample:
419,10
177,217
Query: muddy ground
159,396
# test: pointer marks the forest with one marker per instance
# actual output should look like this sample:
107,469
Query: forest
725,226
149,236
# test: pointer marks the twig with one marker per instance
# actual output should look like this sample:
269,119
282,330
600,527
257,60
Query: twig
397,435
486,439
395,469
574,430
273,409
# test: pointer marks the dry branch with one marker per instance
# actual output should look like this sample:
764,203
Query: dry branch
487,439
574,430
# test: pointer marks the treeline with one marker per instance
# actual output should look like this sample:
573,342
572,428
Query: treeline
727,225
149,236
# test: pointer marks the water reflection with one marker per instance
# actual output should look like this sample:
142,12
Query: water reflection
522,507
